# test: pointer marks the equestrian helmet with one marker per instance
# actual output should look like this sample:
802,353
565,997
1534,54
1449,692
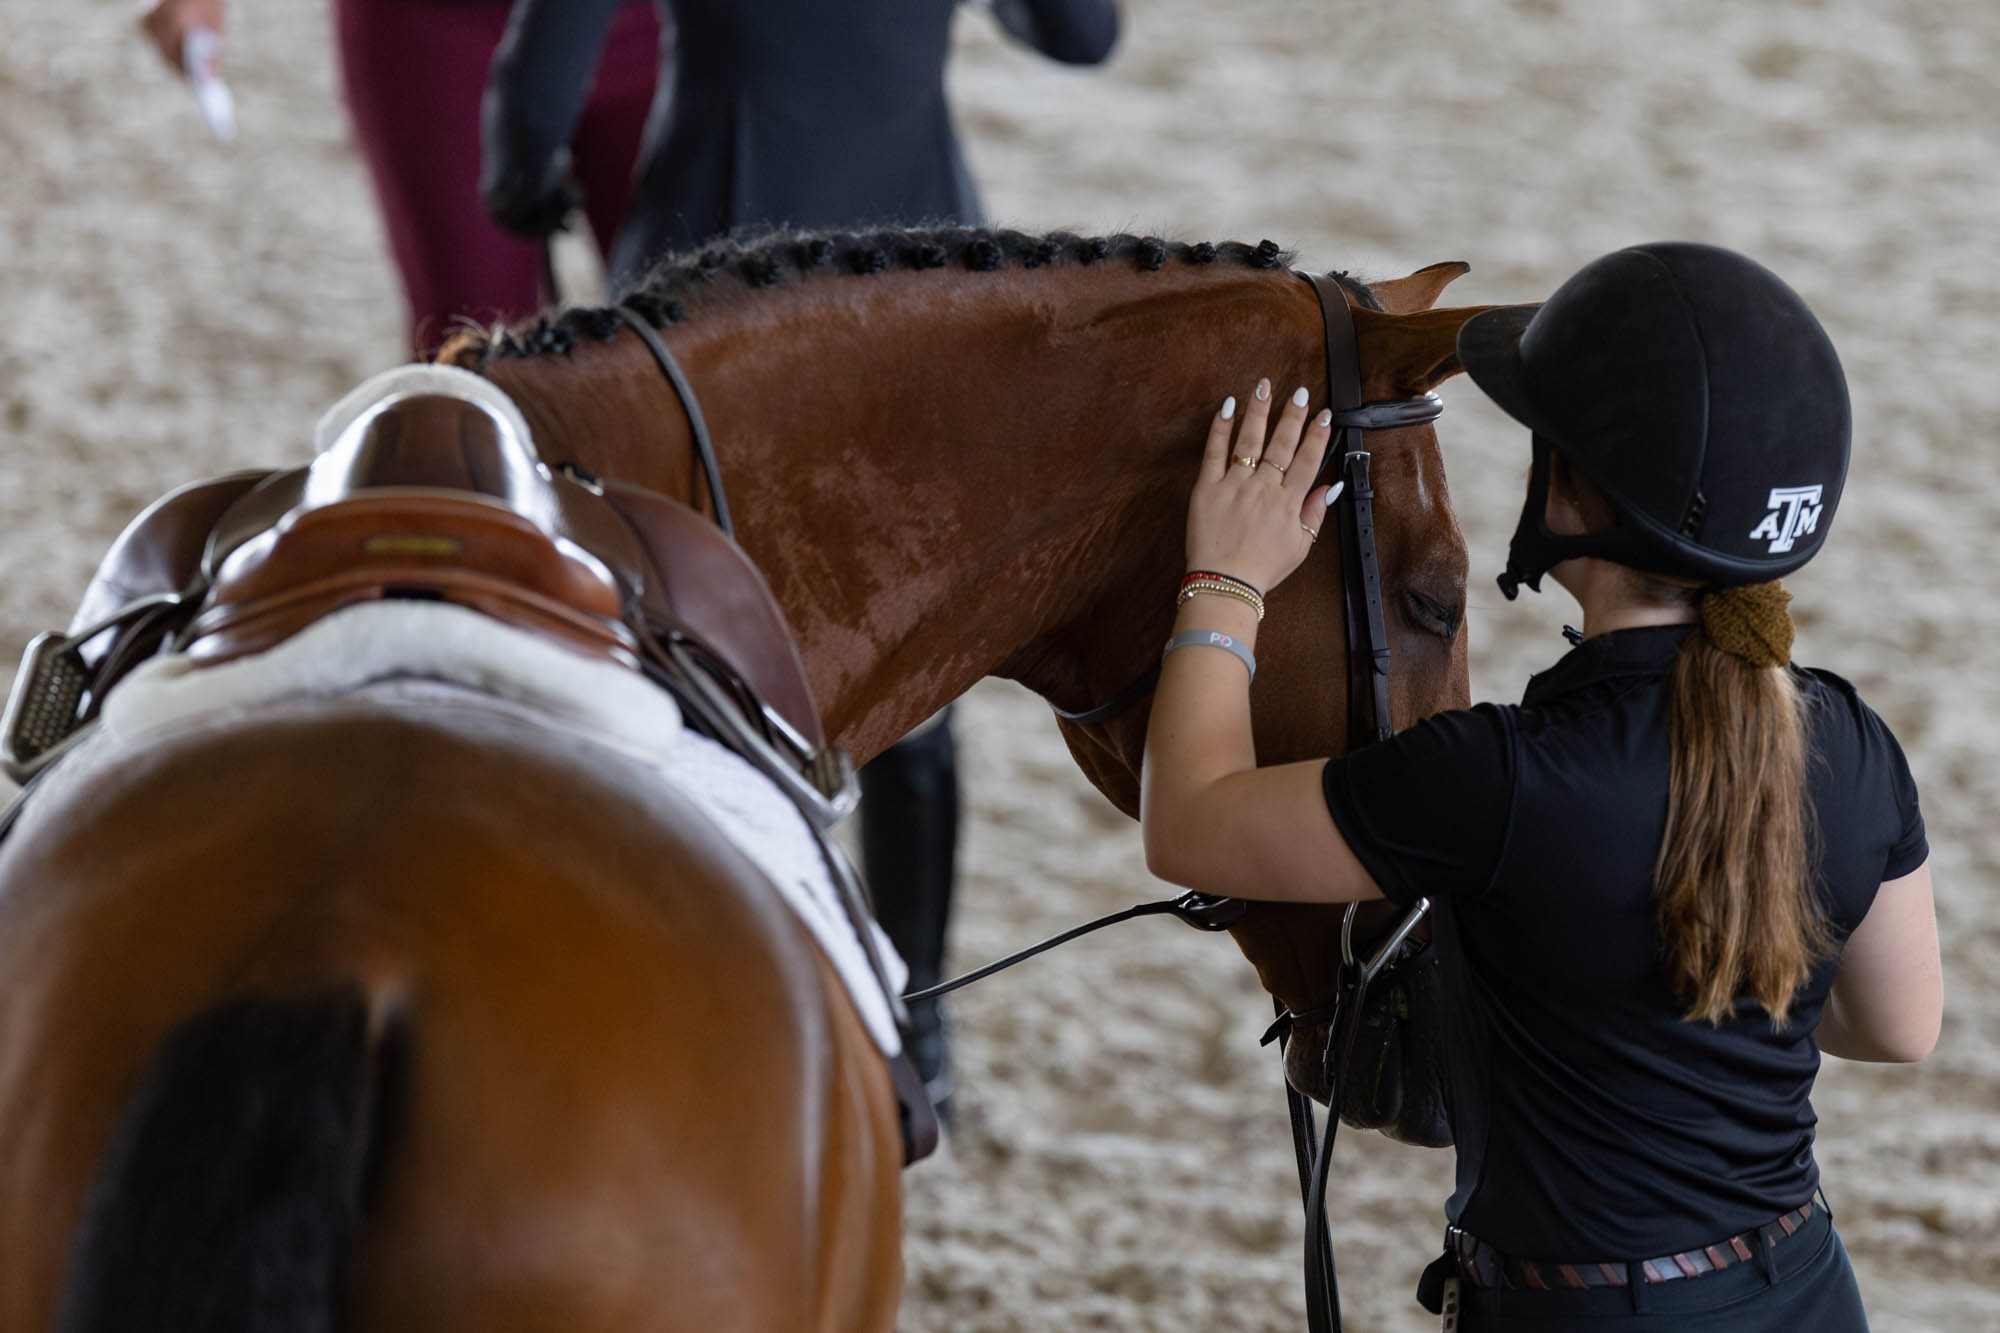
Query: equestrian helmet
1696,391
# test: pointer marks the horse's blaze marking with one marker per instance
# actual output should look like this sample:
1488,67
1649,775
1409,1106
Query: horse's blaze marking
413,544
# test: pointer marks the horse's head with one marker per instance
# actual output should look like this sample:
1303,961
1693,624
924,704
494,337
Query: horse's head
1299,705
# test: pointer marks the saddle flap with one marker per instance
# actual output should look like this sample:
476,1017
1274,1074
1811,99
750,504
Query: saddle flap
160,551
702,580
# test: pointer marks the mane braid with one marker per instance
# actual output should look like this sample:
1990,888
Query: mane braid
751,261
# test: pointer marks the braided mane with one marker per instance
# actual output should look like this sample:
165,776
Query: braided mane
724,271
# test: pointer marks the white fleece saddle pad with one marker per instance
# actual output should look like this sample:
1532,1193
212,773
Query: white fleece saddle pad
418,655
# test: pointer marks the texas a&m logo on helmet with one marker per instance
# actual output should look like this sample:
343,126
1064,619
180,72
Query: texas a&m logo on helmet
1794,514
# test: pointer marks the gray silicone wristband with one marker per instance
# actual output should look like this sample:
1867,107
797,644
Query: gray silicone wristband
1213,639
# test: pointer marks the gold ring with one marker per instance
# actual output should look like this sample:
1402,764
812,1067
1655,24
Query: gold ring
1244,460
1268,463
1309,531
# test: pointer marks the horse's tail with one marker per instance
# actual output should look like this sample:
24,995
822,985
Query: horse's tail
233,1184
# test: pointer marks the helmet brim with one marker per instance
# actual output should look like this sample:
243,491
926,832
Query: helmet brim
1489,347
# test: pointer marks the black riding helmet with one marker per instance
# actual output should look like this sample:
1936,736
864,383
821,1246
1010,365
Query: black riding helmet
1696,391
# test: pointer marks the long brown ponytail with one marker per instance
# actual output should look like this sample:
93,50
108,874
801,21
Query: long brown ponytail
1738,910
1734,884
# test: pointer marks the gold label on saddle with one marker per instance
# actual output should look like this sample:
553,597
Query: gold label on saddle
413,544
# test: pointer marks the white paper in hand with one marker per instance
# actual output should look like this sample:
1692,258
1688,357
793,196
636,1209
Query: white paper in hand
211,94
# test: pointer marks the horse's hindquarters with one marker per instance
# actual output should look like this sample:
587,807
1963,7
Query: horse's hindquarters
624,1092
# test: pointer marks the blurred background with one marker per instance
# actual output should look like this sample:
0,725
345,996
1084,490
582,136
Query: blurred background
170,308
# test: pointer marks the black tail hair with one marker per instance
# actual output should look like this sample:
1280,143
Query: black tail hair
234,1182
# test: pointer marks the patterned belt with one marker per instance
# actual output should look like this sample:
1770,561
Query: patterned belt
1484,1266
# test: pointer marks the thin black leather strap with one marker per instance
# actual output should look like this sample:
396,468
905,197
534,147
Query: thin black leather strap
1104,712
1343,368
1367,633
1368,658
1203,911
1310,1154
704,446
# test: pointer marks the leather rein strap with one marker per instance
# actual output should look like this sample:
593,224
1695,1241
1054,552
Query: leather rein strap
703,444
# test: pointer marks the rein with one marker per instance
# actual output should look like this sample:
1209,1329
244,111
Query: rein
703,443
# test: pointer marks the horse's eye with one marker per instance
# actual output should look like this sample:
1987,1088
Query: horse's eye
1432,615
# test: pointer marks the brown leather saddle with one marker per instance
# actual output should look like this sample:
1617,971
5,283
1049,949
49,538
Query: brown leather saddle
436,498
432,497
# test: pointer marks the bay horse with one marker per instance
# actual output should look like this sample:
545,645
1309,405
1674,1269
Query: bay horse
972,456
539,1060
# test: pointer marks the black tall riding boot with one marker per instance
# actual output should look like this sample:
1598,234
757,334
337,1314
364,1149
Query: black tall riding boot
909,842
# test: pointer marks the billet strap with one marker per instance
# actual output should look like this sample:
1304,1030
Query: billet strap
704,444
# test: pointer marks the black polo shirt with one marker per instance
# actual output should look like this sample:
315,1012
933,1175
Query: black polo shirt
1592,1121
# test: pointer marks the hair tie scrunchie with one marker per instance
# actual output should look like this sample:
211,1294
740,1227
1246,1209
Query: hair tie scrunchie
1750,622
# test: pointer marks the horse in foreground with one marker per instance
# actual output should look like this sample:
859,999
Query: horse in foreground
394,1007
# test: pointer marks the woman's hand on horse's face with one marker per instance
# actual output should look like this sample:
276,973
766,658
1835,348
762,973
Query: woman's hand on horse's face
1255,511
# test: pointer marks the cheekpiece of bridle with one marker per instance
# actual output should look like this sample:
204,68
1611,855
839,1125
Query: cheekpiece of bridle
1368,720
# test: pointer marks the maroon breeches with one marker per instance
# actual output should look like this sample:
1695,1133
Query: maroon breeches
412,72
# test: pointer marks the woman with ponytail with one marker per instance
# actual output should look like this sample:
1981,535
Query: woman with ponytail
1665,882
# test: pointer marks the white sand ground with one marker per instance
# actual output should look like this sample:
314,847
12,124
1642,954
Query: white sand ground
168,309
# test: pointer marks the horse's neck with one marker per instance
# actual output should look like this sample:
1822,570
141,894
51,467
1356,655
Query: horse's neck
943,476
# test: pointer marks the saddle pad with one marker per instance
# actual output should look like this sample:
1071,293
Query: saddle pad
423,655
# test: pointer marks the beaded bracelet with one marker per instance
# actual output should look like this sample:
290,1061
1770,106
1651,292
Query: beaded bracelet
1241,591
1219,577
1213,639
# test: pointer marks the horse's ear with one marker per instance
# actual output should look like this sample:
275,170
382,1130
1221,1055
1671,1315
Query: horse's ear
1416,352
1419,291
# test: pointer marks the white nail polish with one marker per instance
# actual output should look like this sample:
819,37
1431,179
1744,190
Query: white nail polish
1229,407
1326,416
1299,398
1333,493
1263,390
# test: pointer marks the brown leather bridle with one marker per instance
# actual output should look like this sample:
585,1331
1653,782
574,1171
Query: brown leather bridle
1361,577
1368,720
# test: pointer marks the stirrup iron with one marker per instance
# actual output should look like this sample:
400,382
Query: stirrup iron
55,692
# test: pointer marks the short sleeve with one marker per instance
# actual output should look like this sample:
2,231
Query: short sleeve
1427,810
1911,847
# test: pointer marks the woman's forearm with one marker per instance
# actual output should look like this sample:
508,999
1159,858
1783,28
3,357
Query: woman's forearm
1199,732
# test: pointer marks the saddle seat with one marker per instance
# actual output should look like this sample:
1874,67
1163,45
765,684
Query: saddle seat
433,496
